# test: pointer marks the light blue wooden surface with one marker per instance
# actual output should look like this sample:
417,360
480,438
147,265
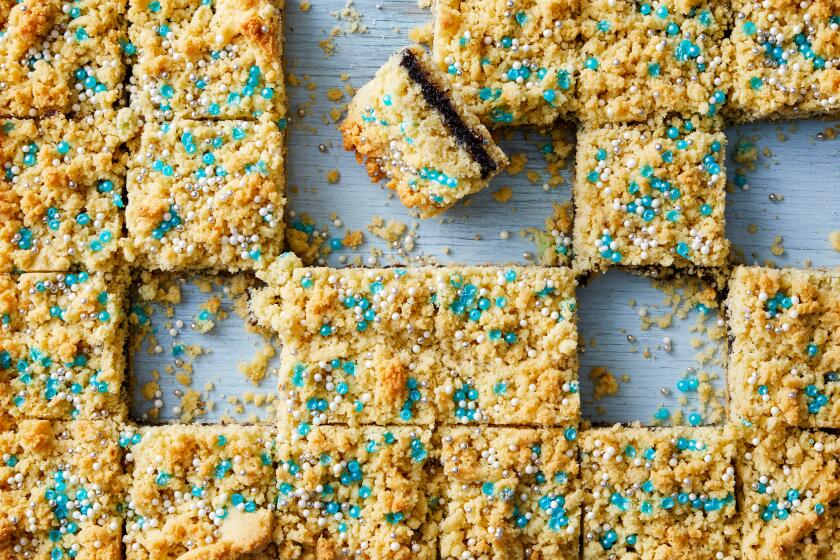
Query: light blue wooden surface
802,169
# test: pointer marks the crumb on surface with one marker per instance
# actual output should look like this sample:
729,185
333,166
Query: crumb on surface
351,18
333,176
256,370
517,163
834,239
604,383
504,194
390,231
776,248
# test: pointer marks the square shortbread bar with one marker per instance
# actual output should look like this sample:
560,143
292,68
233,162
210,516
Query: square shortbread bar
62,491
785,350
200,492
507,337
356,343
511,63
786,59
408,126
218,59
357,492
62,354
790,484
424,345
510,493
61,57
643,58
206,195
61,193
659,493
650,195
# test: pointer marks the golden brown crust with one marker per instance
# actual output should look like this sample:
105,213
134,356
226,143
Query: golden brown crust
37,436
392,381
325,549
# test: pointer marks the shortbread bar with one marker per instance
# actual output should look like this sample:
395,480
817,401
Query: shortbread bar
199,492
219,59
650,195
785,352
409,127
206,195
659,493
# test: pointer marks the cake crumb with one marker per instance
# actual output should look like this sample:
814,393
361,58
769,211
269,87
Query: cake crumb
333,176
352,239
421,34
776,248
255,370
554,244
150,390
834,239
191,406
604,383
327,46
351,17
517,164
335,94
504,194
390,231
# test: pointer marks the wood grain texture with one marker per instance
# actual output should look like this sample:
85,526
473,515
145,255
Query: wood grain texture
802,169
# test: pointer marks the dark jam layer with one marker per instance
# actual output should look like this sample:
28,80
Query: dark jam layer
437,99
